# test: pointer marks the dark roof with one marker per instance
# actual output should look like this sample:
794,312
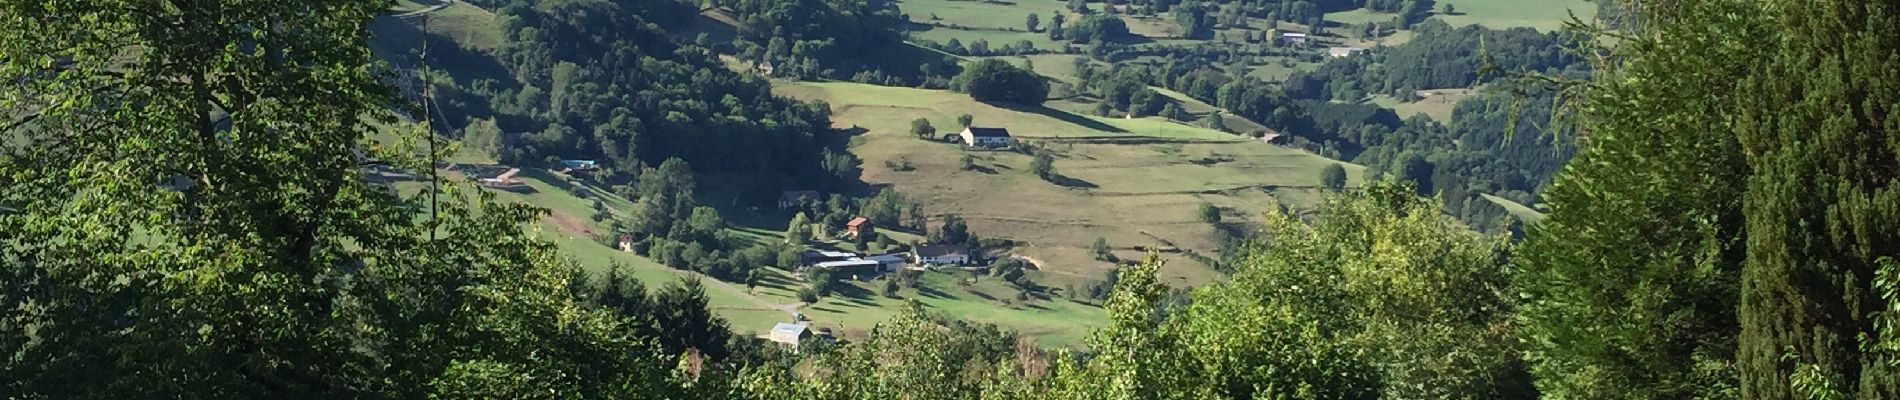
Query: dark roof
988,132
939,250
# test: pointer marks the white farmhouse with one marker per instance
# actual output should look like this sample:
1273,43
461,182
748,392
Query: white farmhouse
985,137
941,254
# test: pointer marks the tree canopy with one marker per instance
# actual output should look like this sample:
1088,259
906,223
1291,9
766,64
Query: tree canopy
993,80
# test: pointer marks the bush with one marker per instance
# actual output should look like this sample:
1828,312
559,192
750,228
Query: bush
1333,177
1209,213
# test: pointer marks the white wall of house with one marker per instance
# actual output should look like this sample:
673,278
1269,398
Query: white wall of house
952,259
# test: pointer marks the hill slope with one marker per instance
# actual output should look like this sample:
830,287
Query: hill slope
1136,183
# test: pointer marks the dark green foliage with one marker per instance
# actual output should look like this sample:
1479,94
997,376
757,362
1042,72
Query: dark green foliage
890,208
1439,57
1097,29
842,36
684,321
1194,21
953,230
1208,213
563,86
1043,165
188,217
1099,249
997,81
1742,249
922,130
1333,177
1815,119
1632,279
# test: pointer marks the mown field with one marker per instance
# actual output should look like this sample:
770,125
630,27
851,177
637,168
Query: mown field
968,21
1140,195
1436,104
1544,15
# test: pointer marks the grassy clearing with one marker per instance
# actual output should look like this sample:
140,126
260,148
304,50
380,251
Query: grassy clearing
1200,109
983,14
1543,15
1133,195
1437,105
463,23
1521,211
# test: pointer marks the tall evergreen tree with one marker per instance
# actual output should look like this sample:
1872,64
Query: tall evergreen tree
1816,122
1631,281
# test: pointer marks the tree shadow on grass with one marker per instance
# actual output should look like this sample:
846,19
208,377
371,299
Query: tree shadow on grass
985,296
1070,182
1064,116
982,169
853,293
1085,303
931,292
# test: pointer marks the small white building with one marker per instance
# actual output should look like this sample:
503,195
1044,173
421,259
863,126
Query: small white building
789,334
985,137
941,254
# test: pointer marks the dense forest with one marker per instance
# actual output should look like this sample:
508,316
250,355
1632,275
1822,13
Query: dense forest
194,210
599,80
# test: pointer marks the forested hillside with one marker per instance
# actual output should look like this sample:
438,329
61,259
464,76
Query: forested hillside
236,210
1501,141
602,80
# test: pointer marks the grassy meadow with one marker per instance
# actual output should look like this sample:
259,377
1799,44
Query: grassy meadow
1543,15
1438,103
1136,196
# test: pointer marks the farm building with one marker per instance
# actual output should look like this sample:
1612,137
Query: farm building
985,137
1293,38
858,226
815,257
789,334
853,267
505,181
1341,52
941,254
890,262
766,68
793,198
579,165
626,243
